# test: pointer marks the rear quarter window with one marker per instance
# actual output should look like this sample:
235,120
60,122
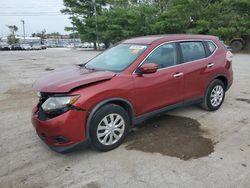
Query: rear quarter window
192,51
211,46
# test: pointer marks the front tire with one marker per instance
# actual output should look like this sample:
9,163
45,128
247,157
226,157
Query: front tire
215,95
109,127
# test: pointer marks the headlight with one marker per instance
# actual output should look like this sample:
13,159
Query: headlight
55,103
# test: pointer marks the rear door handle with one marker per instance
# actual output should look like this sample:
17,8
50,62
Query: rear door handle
210,65
179,74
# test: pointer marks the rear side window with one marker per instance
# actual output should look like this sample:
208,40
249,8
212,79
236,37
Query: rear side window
192,51
211,47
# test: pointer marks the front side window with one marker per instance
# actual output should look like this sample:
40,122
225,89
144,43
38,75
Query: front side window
192,51
117,58
164,56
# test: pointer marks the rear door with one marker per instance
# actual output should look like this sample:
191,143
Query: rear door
196,68
163,88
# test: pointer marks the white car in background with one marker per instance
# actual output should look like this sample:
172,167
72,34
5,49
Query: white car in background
71,45
36,47
25,46
4,46
87,45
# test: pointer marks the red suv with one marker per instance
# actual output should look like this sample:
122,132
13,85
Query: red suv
97,102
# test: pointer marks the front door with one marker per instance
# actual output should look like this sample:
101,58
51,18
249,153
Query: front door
163,88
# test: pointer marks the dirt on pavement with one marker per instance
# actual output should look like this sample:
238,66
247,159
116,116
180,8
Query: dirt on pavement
16,99
243,100
175,136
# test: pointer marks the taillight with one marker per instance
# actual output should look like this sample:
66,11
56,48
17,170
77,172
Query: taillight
229,58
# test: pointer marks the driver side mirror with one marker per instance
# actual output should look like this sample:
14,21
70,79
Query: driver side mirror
148,68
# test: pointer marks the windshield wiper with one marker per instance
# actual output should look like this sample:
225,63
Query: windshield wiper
89,68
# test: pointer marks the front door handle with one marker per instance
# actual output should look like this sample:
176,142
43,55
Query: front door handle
179,74
210,65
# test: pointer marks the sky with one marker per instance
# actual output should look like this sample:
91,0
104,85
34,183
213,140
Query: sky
37,15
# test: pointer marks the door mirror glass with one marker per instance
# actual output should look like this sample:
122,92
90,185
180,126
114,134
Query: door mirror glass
148,68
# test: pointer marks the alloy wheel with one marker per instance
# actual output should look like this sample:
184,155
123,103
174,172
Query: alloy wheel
217,95
110,129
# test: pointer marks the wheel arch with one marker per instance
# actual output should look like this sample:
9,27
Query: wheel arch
118,101
237,39
222,78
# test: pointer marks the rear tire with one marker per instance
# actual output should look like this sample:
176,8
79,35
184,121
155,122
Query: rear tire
214,96
109,127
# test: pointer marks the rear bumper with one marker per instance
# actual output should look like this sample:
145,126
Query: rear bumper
230,80
64,132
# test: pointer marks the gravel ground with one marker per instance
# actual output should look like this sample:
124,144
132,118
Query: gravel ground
26,162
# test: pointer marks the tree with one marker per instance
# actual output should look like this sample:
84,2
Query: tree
119,23
82,8
13,29
119,19
12,38
162,4
79,11
180,15
41,34
232,19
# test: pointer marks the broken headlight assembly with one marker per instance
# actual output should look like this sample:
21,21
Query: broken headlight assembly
57,105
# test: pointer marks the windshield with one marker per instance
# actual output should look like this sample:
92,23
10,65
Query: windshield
117,58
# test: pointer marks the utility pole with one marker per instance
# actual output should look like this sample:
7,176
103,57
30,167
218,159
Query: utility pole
96,26
23,30
74,34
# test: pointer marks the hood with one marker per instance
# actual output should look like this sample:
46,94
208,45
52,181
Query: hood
65,79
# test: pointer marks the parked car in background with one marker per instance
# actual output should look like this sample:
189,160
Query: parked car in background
16,47
4,46
43,47
25,46
60,45
102,46
70,45
226,46
97,102
36,47
86,45
237,43
49,45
